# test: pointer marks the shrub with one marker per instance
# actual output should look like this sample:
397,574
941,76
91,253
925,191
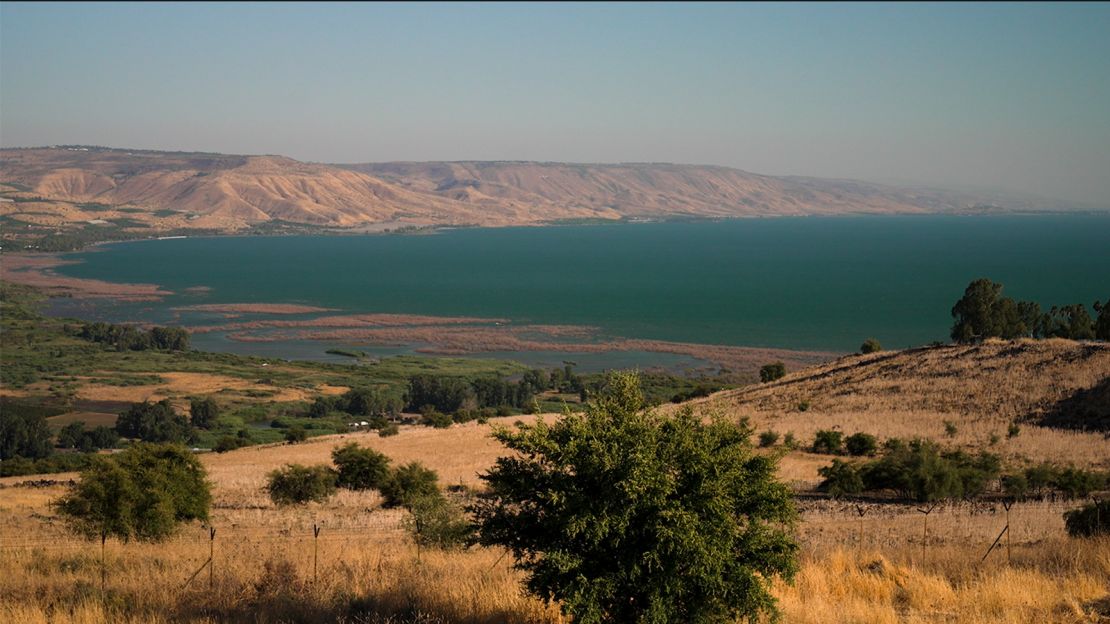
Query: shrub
143,493
409,483
859,444
295,484
1089,520
437,419
227,443
1015,485
295,434
438,523
827,442
803,406
771,372
360,468
790,442
1013,431
389,430
623,514
950,429
919,471
768,438
841,478
870,346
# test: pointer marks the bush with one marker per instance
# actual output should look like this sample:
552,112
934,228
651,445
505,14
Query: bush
950,429
870,346
227,443
360,468
389,430
1013,431
295,484
771,372
859,444
409,483
437,419
790,442
143,493
295,434
768,438
827,442
438,523
1089,520
841,478
623,514
919,471
1015,485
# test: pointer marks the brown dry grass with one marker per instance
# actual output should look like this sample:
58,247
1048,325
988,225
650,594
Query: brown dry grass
981,389
873,570
179,384
367,560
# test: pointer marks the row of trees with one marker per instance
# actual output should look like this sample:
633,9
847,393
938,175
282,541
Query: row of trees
131,338
984,313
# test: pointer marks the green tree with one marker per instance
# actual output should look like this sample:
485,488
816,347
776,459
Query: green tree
408,483
153,422
1102,324
436,522
71,435
771,372
295,484
1071,321
295,434
976,312
623,514
1089,520
24,434
360,468
203,412
143,493
870,346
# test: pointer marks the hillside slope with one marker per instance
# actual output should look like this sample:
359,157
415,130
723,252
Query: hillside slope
980,389
50,187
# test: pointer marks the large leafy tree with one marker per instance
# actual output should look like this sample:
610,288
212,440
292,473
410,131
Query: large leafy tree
143,493
23,434
626,515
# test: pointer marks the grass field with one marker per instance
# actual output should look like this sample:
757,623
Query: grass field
369,571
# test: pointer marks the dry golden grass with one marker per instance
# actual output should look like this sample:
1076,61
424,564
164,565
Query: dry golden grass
367,560
852,570
981,389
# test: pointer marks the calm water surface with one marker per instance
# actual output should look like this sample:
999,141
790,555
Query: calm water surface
808,283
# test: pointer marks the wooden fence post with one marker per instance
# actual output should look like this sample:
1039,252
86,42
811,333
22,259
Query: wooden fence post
1007,504
315,549
860,510
211,556
925,532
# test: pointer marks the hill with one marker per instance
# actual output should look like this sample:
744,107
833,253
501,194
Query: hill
1054,390
65,187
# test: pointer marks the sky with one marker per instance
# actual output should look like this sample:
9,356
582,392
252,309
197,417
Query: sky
966,96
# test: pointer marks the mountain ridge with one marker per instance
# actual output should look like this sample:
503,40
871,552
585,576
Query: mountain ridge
229,192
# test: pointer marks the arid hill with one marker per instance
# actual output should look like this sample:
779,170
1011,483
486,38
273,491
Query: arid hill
54,187
1054,390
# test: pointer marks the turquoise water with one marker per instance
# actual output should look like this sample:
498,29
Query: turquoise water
808,283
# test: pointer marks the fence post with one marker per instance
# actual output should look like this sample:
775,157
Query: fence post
1006,504
315,549
103,564
925,532
859,540
211,556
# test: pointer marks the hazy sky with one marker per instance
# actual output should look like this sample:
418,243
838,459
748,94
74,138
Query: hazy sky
973,95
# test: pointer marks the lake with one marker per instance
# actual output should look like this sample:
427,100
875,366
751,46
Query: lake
821,283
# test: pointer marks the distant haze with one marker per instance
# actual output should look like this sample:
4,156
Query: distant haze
985,96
